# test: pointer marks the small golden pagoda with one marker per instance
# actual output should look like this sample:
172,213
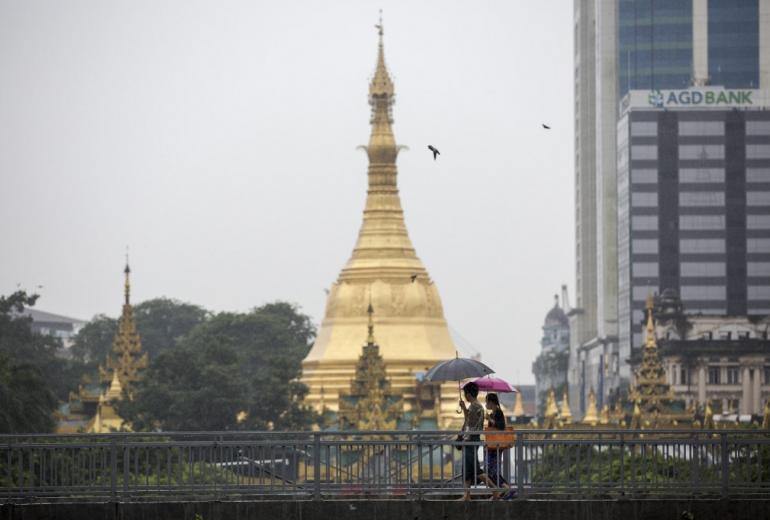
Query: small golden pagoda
370,405
385,270
565,412
518,407
650,390
591,416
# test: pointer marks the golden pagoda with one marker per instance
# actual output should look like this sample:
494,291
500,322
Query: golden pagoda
385,271
650,390
565,413
128,357
591,416
370,405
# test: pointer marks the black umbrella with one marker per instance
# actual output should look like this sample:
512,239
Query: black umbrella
457,369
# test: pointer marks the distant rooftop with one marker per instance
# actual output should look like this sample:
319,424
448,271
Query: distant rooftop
49,317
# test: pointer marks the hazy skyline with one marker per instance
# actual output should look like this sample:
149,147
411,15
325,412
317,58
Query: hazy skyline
218,141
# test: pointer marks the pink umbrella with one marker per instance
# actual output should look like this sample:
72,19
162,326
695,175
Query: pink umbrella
494,384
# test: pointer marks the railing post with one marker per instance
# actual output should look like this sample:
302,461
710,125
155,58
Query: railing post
419,467
725,464
317,466
519,461
114,469
622,464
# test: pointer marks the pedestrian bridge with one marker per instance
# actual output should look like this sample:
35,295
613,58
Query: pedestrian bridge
307,472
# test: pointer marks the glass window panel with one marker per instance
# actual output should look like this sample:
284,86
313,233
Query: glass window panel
758,269
703,269
701,222
701,151
757,127
644,199
644,152
644,222
640,293
758,245
646,176
701,198
702,245
687,175
757,174
645,246
759,292
642,269
644,128
704,292
758,221
758,198
758,151
701,127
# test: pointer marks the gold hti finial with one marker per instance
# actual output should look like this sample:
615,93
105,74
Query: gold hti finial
565,412
592,415
650,338
127,286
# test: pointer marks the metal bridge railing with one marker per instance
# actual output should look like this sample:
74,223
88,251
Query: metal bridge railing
408,465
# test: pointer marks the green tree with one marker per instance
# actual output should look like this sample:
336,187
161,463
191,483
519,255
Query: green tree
228,364
161,323
28,366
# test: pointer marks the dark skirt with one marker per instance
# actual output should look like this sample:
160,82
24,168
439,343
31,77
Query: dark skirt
471,469
492,467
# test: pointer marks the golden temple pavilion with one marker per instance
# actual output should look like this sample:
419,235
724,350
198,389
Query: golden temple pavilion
383,270
91,408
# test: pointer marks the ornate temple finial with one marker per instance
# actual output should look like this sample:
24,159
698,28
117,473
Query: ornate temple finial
551,409
127,287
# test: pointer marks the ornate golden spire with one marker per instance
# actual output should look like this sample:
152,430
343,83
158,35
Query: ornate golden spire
551,410
370,326
650,389
127,359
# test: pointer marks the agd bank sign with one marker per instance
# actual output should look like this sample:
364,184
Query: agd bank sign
698,98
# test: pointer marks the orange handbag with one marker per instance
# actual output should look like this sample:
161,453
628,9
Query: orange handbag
500,440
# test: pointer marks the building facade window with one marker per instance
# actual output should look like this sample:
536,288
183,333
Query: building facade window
644,128
644,222
758,221
701,128
684,376
701,151
733,375
645,176
757,127
644,152
645,269
701,198
703,292
713,375
758,198
689,175
702,245
759,292
644,199
704,269
644,246
758,268
758,245
733,43
758,151
694,222
757,174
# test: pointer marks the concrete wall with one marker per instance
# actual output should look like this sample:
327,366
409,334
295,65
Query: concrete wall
396,510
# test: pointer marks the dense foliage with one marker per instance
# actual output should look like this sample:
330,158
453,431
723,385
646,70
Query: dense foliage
231,364
29,370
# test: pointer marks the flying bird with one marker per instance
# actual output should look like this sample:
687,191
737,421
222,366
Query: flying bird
413,278
546,126
435,151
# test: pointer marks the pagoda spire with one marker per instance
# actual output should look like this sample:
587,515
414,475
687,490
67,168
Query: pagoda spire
127,283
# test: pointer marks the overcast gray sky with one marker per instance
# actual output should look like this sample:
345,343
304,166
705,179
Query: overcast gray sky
218,138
